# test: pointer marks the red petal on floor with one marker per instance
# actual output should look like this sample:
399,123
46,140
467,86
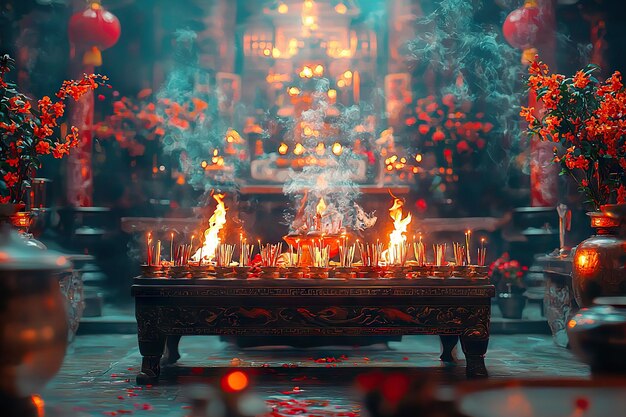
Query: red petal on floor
119,397
109,413
125,411
405,359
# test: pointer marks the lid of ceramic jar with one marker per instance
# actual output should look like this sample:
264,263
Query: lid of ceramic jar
17,255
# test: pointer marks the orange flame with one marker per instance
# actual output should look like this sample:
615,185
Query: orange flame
211,238
321,206
397,237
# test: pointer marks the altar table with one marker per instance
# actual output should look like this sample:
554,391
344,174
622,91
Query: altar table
453,308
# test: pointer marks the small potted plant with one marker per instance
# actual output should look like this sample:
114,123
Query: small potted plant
507,275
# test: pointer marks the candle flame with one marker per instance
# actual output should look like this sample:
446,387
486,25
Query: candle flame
211,239
321,206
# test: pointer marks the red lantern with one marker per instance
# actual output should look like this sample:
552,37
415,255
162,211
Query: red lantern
522,27
92,30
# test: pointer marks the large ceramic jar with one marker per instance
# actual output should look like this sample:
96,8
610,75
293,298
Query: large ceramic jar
598,335
33,324
599,268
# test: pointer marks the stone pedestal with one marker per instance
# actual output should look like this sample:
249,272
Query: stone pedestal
559,302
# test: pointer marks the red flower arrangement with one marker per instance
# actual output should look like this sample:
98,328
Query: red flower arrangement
27,134
587,117
140,119
507,274
446,123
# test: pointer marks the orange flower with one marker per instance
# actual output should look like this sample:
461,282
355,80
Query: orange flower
42,147
19,104
527,114
581,80
576,162
60,150
438,135
8,128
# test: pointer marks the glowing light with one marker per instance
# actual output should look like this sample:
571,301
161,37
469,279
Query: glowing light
321,207
418,157
308,20
398,235
267,52
299,149
337,149
320,149
306,72
283,8
275,53
341,8
341,83
294,91
347,74
204,164
235,381
308,4
283,148
211,239
319,70
332,93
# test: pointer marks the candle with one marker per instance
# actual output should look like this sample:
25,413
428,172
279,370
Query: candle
157,255
468,239
172,248
148,253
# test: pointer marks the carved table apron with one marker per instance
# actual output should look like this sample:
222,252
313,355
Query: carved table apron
453,308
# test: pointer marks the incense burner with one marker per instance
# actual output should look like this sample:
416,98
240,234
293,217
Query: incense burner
345,272
368,272
272,272
442,271
225,272
202,271
295,272
461,271
154,270
180,271
479,271
241,272
318,272
310,240
395,271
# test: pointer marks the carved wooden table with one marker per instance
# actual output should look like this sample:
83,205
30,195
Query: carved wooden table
453,308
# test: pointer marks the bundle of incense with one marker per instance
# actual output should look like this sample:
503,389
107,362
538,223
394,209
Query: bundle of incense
346,255
270,254
224,254
482,255
245,255
460,255
468,240
157,254
370,253
419,251
440,254
294,257
397,253
319,255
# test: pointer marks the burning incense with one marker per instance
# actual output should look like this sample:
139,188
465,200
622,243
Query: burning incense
460,254
157,254
245,255
440,254
319,254
172,248
419,251
397,253
468,240
224,254
346,253
371,253
270,254
482,253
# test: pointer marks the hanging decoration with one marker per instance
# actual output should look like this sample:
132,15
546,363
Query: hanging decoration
522,29
93,30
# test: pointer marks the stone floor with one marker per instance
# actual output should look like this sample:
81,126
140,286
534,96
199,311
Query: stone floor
98,375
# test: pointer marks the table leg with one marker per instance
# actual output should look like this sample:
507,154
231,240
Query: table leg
171,354
448,343
151,350
474,350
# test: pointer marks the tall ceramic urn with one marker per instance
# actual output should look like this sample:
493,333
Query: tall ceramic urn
33,323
